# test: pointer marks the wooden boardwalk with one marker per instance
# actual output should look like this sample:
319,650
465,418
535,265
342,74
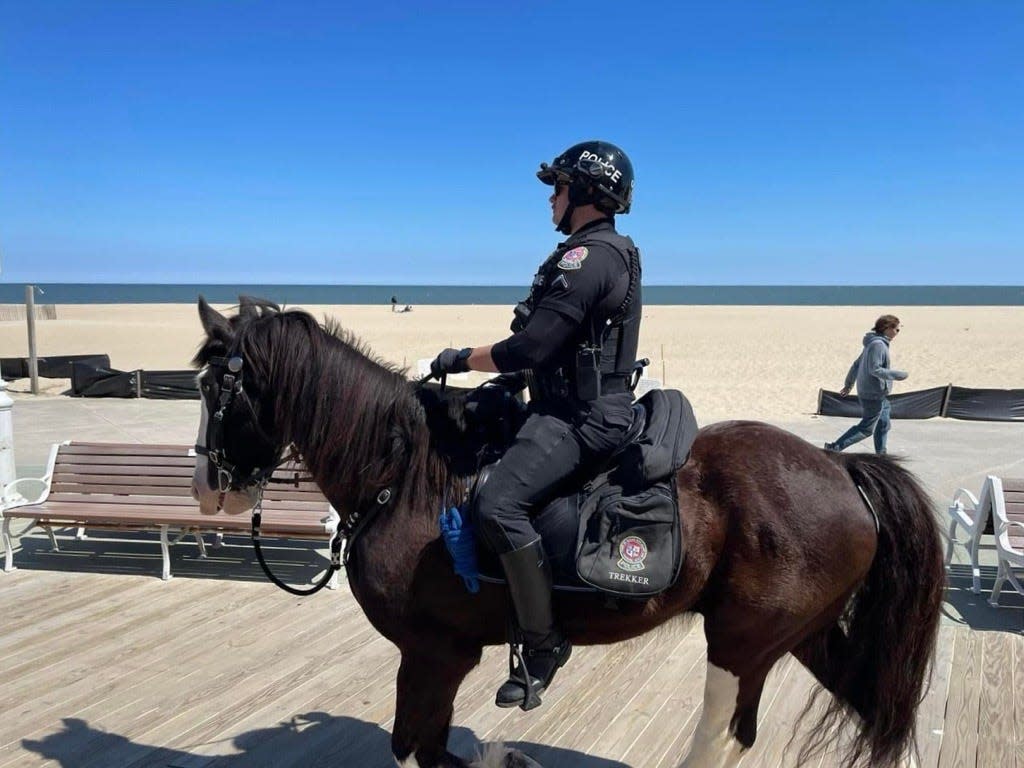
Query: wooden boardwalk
105,666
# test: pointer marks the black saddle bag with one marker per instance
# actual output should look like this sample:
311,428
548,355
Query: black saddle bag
630,545
630,542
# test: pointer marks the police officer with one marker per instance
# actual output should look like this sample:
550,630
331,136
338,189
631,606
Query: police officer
575,337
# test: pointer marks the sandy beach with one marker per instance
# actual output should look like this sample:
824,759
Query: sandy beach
733,362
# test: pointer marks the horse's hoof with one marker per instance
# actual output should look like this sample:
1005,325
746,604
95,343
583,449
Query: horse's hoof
516,759
497,756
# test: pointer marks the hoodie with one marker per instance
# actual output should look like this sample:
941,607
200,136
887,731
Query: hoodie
871,370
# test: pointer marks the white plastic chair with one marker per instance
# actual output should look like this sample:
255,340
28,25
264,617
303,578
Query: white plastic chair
1008,511
971,514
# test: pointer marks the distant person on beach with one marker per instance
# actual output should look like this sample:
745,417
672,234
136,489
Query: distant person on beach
394,306
577,333
874,379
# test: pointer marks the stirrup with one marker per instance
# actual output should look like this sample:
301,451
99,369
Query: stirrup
519,673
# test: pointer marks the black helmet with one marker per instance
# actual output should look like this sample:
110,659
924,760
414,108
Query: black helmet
597,172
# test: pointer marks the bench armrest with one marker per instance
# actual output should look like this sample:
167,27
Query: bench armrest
964,508
1002,536
960,492
13,494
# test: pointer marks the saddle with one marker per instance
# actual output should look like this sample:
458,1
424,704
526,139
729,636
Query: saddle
619,533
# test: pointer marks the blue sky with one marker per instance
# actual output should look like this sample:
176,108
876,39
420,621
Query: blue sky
396,142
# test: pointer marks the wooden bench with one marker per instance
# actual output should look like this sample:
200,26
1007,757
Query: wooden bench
136,487
1008,525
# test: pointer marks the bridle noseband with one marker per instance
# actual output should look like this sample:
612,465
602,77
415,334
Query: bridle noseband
229,477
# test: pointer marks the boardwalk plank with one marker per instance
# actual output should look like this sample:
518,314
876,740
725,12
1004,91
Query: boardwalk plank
995,714
960,734
932,712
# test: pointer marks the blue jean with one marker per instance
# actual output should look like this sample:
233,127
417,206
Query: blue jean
875,419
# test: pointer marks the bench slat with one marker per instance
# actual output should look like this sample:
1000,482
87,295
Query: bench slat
174,484
121,470
135,460
97,499
124,449
1013,484
1015,511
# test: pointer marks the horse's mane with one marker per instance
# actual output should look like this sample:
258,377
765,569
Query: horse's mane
353,412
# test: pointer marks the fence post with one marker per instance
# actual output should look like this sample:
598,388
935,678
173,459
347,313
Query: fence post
945,400
7,469
30,314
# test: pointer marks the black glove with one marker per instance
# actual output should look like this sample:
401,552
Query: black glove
451,361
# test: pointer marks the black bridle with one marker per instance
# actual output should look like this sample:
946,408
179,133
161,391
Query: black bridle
228,475
230,478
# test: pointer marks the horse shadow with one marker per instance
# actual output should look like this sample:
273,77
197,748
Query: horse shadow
309,740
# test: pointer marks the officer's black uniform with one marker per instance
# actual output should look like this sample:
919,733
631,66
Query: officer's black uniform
582,286
576,337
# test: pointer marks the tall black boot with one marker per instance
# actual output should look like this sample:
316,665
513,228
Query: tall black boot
544,647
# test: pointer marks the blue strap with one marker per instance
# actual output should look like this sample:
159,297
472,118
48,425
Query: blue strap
460,540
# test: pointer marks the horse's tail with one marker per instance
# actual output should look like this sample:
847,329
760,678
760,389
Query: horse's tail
892,621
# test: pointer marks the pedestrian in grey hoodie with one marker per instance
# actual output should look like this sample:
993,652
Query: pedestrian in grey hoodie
874,380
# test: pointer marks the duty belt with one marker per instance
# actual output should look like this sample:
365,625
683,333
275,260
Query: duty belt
615,383
557,387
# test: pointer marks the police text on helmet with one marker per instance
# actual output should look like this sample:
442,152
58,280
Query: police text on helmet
587,157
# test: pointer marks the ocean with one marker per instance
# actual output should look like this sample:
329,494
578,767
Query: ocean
736,295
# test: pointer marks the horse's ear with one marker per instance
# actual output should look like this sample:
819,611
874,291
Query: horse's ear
248,308
214,323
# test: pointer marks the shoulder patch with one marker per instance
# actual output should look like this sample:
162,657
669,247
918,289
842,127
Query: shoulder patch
573,259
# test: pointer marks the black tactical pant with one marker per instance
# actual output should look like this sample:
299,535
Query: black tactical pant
551,450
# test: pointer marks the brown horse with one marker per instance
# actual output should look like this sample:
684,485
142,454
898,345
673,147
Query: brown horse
833,558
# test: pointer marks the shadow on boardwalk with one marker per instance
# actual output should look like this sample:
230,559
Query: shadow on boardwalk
964,607
310,740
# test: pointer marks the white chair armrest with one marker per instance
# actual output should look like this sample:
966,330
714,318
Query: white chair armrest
957,499
1004,539
959,511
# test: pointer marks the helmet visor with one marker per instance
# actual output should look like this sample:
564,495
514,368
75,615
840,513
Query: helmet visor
552,176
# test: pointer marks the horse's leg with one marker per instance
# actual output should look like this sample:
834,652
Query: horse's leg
427,684
824,654
743,645
728,720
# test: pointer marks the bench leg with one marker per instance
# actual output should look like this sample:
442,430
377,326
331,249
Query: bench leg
975,566
80,533
998,585
200,542
8,547
218,540
165,551
53,539
951,536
